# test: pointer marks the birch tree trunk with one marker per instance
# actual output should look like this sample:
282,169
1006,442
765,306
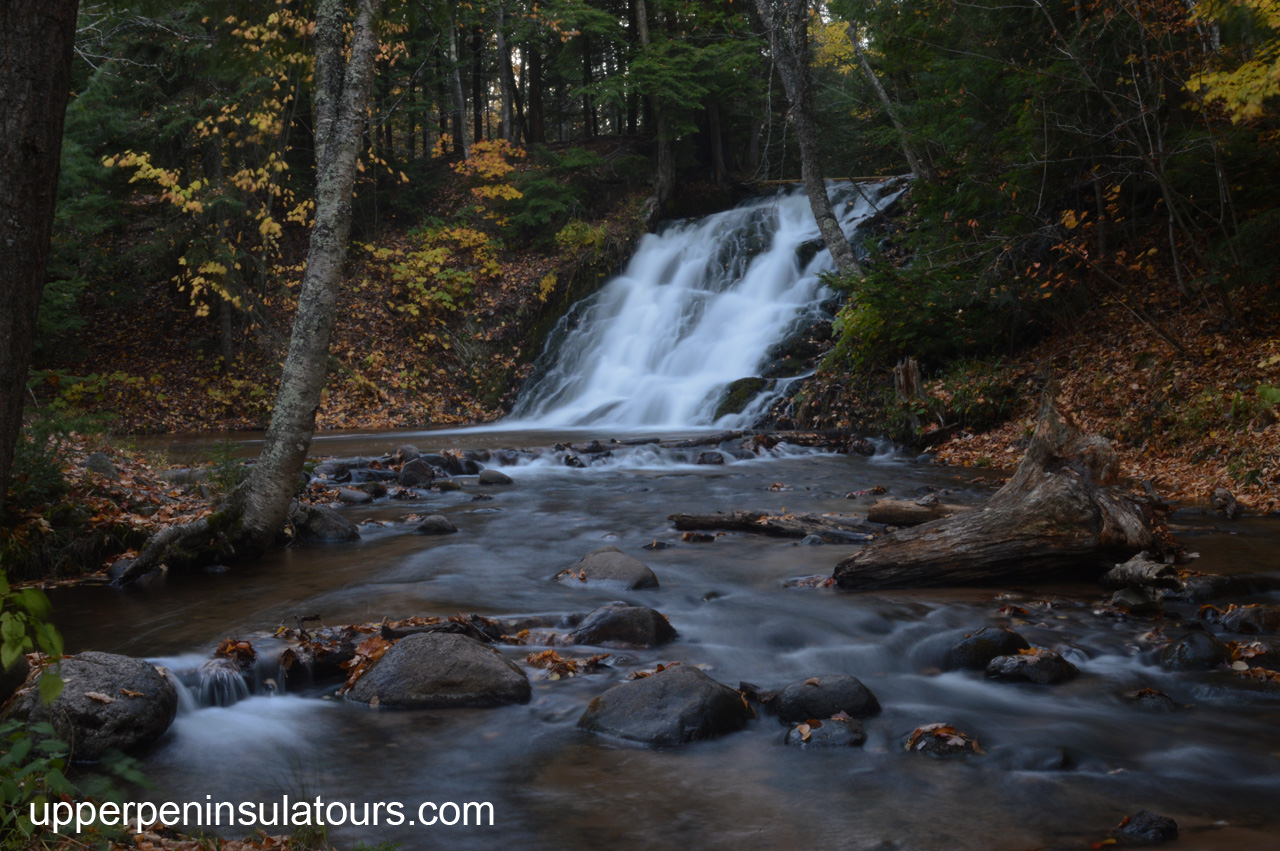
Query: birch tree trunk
919,167
36,38
342,97
787,23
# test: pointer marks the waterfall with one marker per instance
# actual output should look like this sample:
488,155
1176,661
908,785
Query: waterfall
698,306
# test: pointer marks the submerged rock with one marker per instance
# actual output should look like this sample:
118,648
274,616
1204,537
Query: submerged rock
976,650
1145,828
829,733
940,741
823,697
1151,700
108,703
1041,666
623,625
1139,601
677,705
1195,651
609,566
441,670
435,524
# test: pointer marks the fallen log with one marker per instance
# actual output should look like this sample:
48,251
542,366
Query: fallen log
912,512
832,528
1062,512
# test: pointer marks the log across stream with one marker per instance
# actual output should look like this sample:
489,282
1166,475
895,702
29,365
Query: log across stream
1061,764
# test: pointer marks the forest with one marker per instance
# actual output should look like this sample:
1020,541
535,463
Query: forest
983,293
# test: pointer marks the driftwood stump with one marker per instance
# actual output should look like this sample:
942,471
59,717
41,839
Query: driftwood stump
1063,512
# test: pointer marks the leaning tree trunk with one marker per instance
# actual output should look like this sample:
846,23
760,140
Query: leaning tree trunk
248,520
919,167
787,23
36,38
1063,511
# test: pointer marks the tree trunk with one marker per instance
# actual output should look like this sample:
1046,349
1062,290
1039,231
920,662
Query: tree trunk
479,102
918,166
342,98
461,145
787,22
588,110
537,118
507,78
832,528
1063,511
664,184
36,38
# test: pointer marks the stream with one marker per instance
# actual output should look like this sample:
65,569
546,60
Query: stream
701,305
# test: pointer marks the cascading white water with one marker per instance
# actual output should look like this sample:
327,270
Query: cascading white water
696,308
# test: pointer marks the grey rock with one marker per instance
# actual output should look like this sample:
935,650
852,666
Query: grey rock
1044,667
1145,828
316,524
95,714
609,567
824,696
672,707
976,650
355,497
1139,601
405,453
416,474
440,670
494,477
100,463
622,625
832,733
1195,651
435,524
1142,571
446,485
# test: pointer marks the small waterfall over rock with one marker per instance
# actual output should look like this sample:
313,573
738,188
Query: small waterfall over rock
698,306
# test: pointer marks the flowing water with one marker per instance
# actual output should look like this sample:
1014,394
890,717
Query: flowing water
1062,765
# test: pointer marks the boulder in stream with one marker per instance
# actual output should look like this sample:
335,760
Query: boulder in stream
108,703
494,477
1142,571
1041,666
1195,651
441,670
828,733
435,524
678,704
416,474
609,567
1250,620
622,625
941,741
976,650
822,697
316,524
1145,828
1139,601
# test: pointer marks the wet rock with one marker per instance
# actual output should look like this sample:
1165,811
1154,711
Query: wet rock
657,545
622,625
1249,620
1246,684
1139,601
812,541
355,497
374,489
609,566
738,395
1225,503
441,670
672,707
823,697
1145,828
416,474
976,650
13,677
405,453
1195,651
100,463
371,474
1041,666
1201,587
1152,700
940,741
494,477
831,733
97,712
316,524
1142,571
574,461
446,485
435,524
709,458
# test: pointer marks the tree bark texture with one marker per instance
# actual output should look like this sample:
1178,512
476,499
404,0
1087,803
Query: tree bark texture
461,144
36,39
832,528
342,98
918,166
1063,511
787,25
